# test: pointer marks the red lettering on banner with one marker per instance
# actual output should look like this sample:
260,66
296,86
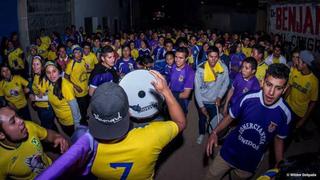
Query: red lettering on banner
278,18
317,20
284,18
308,21
292,19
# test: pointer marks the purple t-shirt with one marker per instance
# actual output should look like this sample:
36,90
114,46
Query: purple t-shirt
181,79
125,66
258,124
242,86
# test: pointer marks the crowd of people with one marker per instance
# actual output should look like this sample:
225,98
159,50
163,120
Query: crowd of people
265,94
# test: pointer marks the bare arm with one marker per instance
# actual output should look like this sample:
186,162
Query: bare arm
228,98
302,121
278,149
185,94
91,90
175,110
57,139
213,138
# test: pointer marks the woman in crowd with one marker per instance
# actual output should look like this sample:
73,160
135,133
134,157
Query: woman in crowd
39,94
62,98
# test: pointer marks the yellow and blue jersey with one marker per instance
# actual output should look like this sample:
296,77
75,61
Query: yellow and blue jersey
15,59
135,156
78,75
304,88
13,91
40,87
61,107
28,159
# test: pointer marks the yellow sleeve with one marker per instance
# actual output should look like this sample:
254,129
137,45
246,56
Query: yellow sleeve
68,68
291,76
1,88
19,51
38,130
95,59
314,90
67,90
23,81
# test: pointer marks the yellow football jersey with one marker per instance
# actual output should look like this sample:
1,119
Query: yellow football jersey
26,161
247,51
78,75
52,56
38,87
61,107
135,156
304,88
90,60
43,50
13,91
15,60
46,40
134,53
261,71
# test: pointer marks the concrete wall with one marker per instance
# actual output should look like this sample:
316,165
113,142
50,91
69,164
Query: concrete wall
102,12
231,20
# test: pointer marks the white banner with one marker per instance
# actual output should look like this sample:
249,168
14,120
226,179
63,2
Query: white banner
298,24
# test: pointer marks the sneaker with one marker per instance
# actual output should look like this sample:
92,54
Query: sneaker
200,139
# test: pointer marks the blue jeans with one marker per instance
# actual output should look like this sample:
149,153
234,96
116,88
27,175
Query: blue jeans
211,109
182,102
46,116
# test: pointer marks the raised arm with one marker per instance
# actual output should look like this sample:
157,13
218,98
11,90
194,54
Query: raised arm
175,110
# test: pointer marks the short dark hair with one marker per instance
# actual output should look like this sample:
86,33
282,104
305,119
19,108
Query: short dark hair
183,50
220,41
147,59
166,41
86,44
169,53
259,48
106,49
279,71
252,61
212,49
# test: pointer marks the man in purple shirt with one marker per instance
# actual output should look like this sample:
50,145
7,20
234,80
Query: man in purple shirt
126,63
181,78
243,82
104,71
262,118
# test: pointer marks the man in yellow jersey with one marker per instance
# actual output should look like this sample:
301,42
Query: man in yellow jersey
76,73
112,149
15,57
89,57
257,53
12,92
44,38
42,48
246,49
303,92
22,155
